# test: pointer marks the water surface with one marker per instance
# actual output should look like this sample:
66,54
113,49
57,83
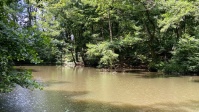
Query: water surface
90,90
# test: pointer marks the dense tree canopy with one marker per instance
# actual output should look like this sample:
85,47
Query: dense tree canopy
154,34
113,33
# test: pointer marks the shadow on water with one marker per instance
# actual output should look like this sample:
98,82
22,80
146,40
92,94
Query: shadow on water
194,80
136,71
144,73
22,69
151,75
53,82
22,100
189,106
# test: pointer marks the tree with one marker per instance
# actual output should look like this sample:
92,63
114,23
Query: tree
17,43
185,57
180,21
108,33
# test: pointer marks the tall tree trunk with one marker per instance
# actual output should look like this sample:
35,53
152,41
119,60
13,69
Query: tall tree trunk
110,26
29,14
152,33
76,55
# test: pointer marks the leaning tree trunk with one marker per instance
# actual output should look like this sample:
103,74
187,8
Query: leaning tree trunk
73,58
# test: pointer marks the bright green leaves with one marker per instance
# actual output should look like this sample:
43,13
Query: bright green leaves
109,57
129,40
105,51
175,12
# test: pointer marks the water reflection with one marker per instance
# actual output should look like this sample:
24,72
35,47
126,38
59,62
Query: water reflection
89,90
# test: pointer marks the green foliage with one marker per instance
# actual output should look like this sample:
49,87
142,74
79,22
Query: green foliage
176,12
110,32
105,51
14,45
18,42
155,34
130,40
185,56
12,78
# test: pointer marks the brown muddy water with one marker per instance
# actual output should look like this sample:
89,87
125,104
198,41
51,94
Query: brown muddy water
90,90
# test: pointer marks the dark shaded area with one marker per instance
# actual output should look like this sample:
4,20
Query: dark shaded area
132,70
32,64
125,70
163,75
195,80
159,75
54,82
22,69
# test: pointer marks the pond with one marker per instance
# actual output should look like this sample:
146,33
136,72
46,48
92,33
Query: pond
84,89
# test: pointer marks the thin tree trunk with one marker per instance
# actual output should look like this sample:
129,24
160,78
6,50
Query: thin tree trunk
177,33
29,14
83,57
73,58
76,55
110,27
102,31
61,58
